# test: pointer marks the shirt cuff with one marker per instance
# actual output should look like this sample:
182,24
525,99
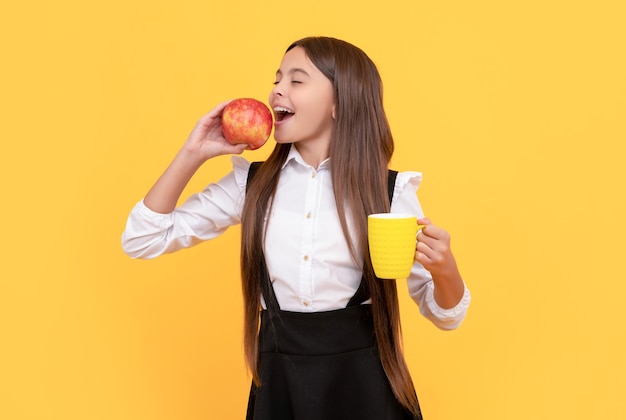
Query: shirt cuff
451,318
150,214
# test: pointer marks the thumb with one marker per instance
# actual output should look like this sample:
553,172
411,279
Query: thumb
424,221
238,149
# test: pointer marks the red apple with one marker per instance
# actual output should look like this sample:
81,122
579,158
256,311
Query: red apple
246,120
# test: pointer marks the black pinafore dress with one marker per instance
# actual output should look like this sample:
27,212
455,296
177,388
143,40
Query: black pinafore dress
321,365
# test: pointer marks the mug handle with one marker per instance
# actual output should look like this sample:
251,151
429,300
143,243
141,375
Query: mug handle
419,229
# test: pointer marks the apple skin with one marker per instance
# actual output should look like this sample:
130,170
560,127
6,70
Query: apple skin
246,120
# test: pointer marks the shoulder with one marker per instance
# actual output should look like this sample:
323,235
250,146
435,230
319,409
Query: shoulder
407,180
241,167
405,199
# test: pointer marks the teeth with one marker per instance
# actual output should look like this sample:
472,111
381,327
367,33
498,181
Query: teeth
282,109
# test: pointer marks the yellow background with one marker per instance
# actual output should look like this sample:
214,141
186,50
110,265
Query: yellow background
514,111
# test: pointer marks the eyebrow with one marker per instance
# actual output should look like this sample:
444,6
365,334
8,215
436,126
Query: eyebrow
294,70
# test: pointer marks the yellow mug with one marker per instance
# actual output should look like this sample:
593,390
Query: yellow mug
392,239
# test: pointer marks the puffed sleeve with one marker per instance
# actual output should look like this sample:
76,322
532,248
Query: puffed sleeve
203,216
240,168
420,282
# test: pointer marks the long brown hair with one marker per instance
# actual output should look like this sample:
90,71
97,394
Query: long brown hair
361,146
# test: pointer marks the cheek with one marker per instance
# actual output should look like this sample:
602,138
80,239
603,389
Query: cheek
318,116
324,106
327,112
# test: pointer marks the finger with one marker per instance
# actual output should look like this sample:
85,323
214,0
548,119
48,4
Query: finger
430,258
419,232
440,245
214,113
427,231
423,259
424,248
436,232
219,108
434,247
423,238
235,149
421,223
424,221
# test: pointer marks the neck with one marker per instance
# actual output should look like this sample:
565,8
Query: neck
313,153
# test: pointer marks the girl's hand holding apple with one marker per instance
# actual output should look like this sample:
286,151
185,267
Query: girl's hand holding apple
230,128
207,140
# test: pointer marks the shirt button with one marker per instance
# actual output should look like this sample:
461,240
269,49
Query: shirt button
306,258
313,174
308,215
305,302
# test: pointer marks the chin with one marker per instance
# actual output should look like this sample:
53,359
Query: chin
283,139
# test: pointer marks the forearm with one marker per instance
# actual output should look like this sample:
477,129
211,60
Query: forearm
164,194
448,290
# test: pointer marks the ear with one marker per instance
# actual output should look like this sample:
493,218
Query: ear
332,114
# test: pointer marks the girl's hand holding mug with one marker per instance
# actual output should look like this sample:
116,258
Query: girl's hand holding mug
433,250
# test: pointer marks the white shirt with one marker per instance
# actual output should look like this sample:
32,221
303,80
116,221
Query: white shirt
307,255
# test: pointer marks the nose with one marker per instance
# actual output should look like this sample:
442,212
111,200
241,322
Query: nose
277,90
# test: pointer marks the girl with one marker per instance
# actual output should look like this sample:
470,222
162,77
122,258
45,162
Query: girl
322,333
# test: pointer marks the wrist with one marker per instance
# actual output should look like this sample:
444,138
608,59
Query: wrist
190,158
448,290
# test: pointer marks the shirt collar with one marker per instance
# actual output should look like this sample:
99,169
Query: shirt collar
295,156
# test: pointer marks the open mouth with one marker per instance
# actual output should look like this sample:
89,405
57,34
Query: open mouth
282,113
